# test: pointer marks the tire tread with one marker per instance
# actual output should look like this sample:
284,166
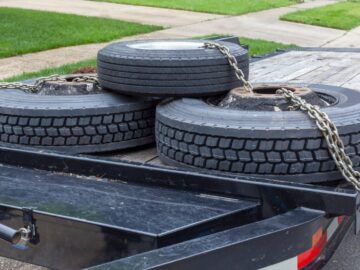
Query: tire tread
265,156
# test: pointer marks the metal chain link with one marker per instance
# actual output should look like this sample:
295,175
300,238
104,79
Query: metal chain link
232,61
34,88
331,135
325,125
17,85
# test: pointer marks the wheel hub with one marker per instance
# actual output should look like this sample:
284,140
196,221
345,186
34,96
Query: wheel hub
67,87
168,45
265,98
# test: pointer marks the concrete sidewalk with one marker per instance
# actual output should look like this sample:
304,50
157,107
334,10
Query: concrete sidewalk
350,39
264,25
15,65
146,15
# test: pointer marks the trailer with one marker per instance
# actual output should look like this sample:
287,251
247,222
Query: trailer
127,210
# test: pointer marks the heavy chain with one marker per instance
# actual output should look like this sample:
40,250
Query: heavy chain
34,88
17,85
232,61
325,125
331,135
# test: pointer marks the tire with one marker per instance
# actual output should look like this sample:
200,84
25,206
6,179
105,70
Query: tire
76,123
131,53
167,70
176,68
168,76
170,83
283,145
157,91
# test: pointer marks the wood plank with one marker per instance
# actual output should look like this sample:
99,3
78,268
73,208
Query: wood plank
278,72
138,154
333,68
291,73
269,65
157,162
142,155
354,83
319,75
344,75
281,63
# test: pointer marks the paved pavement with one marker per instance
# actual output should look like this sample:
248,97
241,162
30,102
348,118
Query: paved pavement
347,255
8,264
56,57
182,24
350,39
147,15
266,25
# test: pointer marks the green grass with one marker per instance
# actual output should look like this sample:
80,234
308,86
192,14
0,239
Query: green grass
344,15
65,69
24,31
229,7
257,47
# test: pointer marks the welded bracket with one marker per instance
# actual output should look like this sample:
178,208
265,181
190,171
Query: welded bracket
30,225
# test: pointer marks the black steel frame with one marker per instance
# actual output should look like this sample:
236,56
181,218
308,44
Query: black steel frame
332,200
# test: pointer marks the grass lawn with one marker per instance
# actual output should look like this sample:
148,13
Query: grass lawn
257,47
65,69
24,31
344,15
229,7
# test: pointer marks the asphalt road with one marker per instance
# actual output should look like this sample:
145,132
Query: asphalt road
347,256
8,264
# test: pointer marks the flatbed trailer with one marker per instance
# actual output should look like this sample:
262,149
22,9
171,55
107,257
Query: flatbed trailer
127,210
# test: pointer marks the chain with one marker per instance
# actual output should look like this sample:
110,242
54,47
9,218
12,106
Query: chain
325,125
34,88
331,135
16,85
233,63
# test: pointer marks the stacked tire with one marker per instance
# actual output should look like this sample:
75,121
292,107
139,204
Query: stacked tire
76,123
118,116
191,128
169,68
285,145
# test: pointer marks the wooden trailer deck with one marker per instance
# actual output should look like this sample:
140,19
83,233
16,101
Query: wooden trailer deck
338,67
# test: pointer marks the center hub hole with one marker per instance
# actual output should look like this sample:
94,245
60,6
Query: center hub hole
265,98
269,90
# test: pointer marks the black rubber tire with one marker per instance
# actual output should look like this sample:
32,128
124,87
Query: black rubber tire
166,91
171,83
122,53
77,123
168,76
282,145
169,71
